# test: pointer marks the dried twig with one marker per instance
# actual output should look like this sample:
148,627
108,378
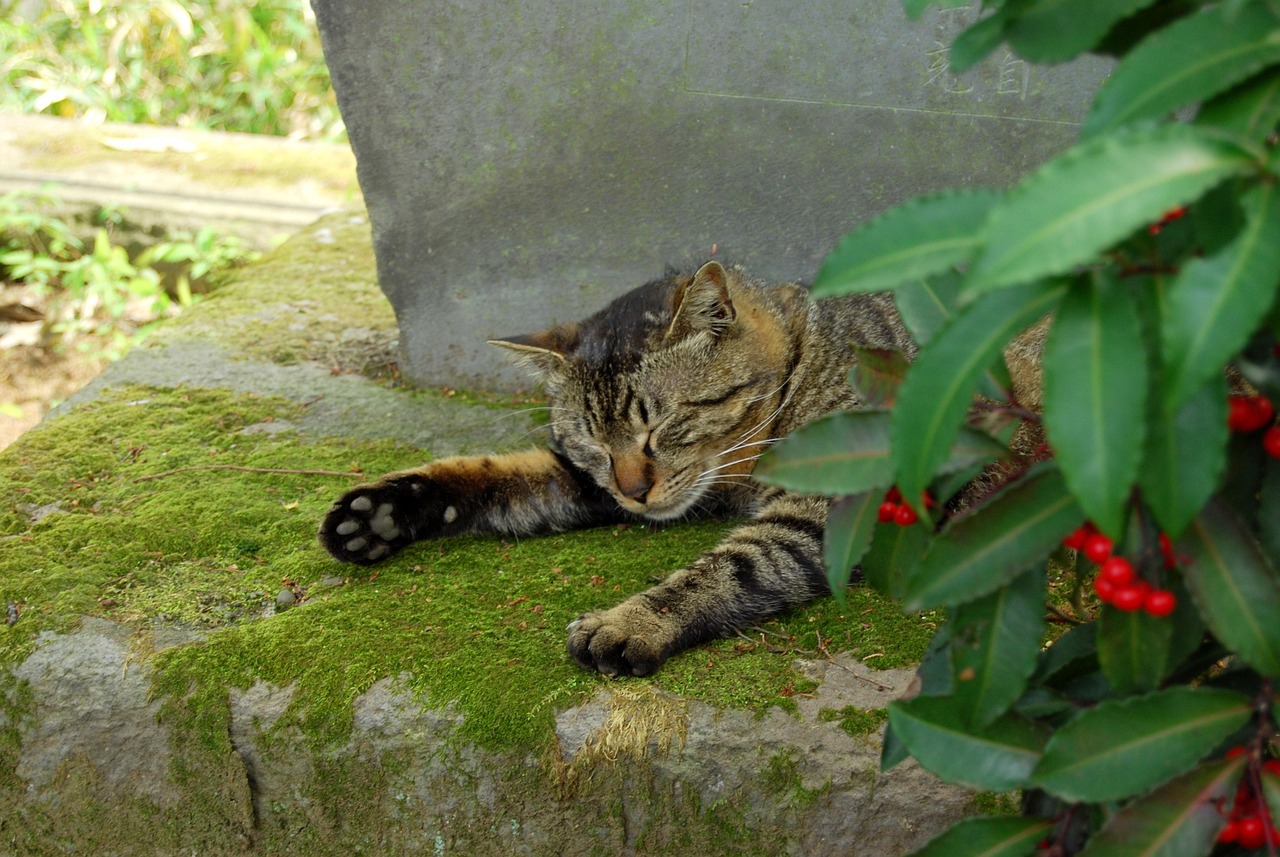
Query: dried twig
346,473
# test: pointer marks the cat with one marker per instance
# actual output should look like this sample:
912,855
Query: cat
661,403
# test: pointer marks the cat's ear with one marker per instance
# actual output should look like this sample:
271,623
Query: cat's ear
545,350
703,303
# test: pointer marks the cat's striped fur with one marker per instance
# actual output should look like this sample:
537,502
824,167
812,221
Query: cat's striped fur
661,403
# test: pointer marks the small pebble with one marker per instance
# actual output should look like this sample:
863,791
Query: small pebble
285,599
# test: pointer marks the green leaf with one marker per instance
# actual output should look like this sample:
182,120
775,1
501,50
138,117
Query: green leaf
1096,194
939,387
1186,62
987,548
843,453
851,522
894,556
1271,790
1216,302
1121,748
1181,818
1185,456
927,305
988,837
1095,386
877,375
996,758
1251,110
995,643
1077,646
916,8
976,42
925,236
1056,30
1269,511
1133,649
1236,589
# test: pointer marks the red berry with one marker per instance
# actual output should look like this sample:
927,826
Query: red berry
1252,832
886,512
1166,551
1098,547
1271,441
894,495
1160,602
1230,832
1118,570
1248,413
1105,589
905,516
1129,598
1078,537
1272,765
1235,752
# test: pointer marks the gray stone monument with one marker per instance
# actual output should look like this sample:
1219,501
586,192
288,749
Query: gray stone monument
523,162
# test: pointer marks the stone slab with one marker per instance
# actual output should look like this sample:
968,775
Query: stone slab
524,162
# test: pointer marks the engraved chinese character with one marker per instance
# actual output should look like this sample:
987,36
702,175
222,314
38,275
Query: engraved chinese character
1015,77
940,71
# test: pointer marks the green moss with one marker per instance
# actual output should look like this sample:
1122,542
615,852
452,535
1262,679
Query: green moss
856,721
997,803
782,775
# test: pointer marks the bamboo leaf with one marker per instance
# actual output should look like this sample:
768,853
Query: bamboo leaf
925,236
1186,62
1233,584
1121,748
1096,194
997,758
986,549
1215,303
1095,388
1181,818
988,837
939,388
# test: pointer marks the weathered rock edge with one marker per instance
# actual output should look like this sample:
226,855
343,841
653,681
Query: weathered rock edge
632,771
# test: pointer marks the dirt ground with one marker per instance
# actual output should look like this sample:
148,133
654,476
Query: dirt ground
36,372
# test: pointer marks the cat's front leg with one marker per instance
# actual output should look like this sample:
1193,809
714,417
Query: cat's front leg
522,493
762,568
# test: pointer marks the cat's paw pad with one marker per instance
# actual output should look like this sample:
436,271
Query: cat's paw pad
630,639
364,527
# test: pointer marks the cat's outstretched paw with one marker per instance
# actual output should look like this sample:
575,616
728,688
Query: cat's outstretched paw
629,639
372,522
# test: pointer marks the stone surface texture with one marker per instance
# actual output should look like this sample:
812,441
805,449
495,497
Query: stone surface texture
523,162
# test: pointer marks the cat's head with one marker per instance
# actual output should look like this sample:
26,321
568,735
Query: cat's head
671,389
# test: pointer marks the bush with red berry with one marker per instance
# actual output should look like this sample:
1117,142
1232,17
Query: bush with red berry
1148,727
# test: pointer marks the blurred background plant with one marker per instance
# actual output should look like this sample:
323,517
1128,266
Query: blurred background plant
224,65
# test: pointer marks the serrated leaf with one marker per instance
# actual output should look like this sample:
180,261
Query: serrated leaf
1235,587
925,236
1133,649
1056,30
987,837
1251,110
851,522
876,376
1095,195
995,642
1095,390
926,305
1181,818
939,388
989,547
893,557
1185,456
1121,748
1215,303
996,758
843,453
1186,62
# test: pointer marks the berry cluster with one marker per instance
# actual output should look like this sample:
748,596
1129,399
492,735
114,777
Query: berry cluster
1170,216
1118,582
1248,414
1248,825
893,510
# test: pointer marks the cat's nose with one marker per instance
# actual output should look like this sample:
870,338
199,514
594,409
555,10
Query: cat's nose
633,476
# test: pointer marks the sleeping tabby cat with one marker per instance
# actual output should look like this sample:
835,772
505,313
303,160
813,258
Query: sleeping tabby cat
661,403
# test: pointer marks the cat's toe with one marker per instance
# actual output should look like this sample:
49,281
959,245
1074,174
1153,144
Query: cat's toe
362,530
615,643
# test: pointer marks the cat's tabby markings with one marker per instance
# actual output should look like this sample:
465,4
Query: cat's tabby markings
660,405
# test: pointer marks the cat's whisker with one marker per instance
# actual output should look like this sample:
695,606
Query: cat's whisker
730,464
737,446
